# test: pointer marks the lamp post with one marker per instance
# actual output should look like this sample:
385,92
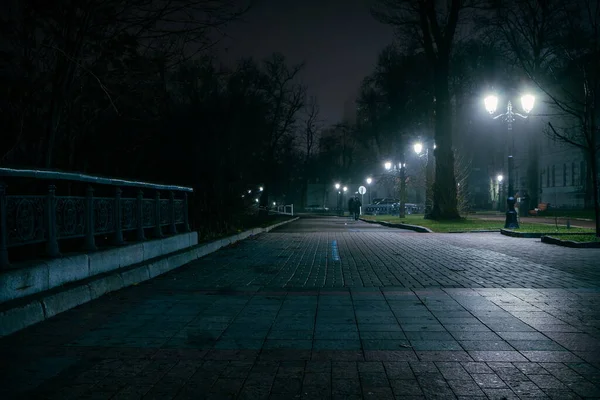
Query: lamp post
337,188
369,181
491,103
418,148
345,189
400,167
499,178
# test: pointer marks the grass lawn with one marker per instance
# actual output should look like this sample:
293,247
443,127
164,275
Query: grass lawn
578,238
467,224
546,228
464,225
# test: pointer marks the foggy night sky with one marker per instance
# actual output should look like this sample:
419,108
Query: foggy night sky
338,39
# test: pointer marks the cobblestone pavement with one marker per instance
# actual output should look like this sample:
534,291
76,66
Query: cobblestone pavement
332,309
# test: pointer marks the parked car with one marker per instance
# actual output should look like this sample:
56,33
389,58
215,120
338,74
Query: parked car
316,208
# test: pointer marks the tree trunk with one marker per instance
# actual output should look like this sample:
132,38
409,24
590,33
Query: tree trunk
444,188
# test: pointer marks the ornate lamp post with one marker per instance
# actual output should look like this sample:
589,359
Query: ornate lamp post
401,168
369,180
491,103
337,188
418,148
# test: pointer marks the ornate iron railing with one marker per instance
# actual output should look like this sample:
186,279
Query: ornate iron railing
50,217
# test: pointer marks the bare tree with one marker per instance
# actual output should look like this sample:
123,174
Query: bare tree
557,44
432,26
54,47
285,97
310,135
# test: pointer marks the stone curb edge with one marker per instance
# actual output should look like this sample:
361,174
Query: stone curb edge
536,235
21,313
570,243
415,228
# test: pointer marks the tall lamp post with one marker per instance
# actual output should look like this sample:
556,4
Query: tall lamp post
418,148
369,181
339,203
345,189
491,103
499,178
400,167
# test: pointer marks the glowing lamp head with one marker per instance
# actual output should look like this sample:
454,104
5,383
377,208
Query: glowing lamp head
527,102
500,178
345,188
491,103
418,147
369,180
337,185
261,188
388,165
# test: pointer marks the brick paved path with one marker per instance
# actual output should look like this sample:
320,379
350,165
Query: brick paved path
332,309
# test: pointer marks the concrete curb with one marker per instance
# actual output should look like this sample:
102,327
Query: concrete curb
536,235
415,228
570,243
23,312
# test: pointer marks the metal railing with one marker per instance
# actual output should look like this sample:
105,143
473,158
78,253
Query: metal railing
48,218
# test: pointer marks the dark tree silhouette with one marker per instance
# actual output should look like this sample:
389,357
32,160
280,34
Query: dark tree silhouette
432,26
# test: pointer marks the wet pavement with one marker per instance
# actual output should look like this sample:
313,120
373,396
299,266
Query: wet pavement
328,308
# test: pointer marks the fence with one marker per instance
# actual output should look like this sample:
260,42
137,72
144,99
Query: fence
49,218
287,209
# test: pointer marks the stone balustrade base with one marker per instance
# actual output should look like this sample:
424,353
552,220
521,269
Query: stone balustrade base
33,294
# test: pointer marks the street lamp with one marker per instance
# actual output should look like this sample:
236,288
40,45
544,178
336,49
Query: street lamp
499,178
337,188
418,148
369,181
401,168
491,104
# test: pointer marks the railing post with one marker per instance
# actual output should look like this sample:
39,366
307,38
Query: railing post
172,227
3,228
90,242
140,216
186,222
52,229
157,229
118,239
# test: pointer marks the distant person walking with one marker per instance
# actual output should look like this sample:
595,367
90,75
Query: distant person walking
351,206
357,205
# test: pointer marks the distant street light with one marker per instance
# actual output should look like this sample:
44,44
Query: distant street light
345,189
491,104
260,188
418,148
499,178
401,168
369,181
